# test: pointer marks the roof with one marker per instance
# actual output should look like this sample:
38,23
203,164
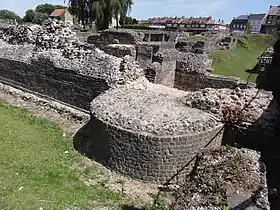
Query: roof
274,10
256,16
242,17
215,22
57,12
182,20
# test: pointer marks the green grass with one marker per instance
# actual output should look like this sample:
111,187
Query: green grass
36,171
244,56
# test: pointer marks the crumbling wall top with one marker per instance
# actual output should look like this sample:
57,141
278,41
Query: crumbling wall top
54,45
149,108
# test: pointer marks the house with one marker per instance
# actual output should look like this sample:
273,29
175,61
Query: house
255,22
272,20
216,26
239,25
191,24
64,15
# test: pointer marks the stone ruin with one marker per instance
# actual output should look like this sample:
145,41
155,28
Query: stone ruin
50,60
141,129
162,55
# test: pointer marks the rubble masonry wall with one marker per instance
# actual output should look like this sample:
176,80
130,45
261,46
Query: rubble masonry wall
61,84
152,158
192,81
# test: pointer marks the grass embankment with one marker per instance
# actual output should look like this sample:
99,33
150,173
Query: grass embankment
244,56
40,169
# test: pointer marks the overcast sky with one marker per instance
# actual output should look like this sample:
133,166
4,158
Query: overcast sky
142,9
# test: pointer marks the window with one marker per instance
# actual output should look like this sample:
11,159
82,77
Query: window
202,26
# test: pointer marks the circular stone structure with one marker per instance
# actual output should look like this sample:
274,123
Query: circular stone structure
148,131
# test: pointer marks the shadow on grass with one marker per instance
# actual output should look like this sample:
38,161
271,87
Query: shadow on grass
92,142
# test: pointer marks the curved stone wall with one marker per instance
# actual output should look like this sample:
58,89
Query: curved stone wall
147,132
150,157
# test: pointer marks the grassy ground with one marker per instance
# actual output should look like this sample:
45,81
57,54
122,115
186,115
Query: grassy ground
40,169
234,62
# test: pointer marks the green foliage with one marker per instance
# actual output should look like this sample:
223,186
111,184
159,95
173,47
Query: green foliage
102,12
128,21
243,43
7,14
39,18
225,207
48,8
36,170
29,16
244,56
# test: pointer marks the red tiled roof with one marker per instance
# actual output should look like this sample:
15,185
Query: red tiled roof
57,12
172,20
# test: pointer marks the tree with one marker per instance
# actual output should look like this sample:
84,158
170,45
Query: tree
126,9
29,16
7,14
102,12
135,21
48,8
126,20
39,17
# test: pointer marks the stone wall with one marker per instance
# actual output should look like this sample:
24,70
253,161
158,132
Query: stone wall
156,37
148,157
186,45
192,73
120,50
53,62
166,74
148,132
269,79
111,35
62,84
193,81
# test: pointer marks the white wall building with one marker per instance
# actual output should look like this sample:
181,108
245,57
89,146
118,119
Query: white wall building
255,22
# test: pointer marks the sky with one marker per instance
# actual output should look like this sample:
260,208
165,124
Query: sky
143,9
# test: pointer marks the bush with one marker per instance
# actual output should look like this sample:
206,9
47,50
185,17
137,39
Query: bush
9,15
243,42
39,17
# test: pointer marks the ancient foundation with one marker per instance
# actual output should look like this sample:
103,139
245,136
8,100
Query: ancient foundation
148,133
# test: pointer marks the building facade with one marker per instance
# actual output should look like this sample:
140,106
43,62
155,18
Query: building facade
255,22
239,25
195,25
272,20
64,15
